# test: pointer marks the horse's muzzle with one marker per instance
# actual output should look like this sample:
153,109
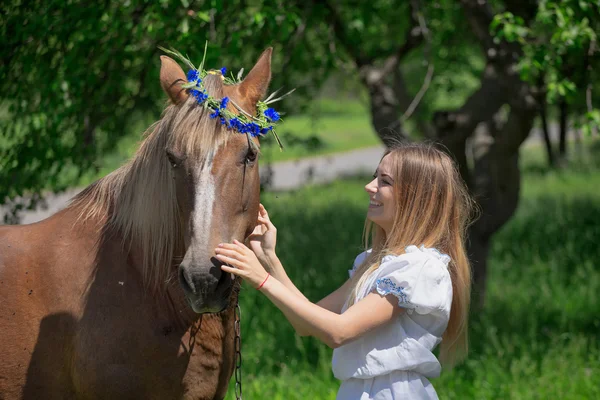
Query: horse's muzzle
207,289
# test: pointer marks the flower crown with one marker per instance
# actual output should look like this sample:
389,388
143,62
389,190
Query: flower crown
266,117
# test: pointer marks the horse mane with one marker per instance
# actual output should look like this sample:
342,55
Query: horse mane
138,201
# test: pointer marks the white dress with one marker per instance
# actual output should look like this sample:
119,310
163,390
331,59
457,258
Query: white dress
395,360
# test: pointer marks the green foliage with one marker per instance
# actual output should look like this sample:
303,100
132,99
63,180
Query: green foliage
537,338
74,78
559,46
70,94
72,75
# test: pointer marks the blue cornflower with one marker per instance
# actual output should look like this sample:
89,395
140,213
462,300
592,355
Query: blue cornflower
234,123
272,115
264,131
224,102
199,95
193,75
253,128
223,71
215,114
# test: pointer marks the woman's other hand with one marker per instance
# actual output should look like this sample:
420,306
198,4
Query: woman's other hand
263,239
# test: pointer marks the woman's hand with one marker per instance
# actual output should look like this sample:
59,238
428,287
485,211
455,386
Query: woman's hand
263,239
241,262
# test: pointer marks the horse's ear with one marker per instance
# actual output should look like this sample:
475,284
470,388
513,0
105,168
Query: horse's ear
171,79
255,85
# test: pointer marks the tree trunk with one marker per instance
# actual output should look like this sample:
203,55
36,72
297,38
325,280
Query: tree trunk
384,106
563,124
546,134
496,186
478,248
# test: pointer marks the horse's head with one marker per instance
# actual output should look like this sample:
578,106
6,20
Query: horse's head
215,171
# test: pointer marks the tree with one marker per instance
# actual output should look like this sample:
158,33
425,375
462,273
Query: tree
485,132
559,54
465,73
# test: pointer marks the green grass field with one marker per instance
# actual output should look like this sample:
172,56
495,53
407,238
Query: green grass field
538,336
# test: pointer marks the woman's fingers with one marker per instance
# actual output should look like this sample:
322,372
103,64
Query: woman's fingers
231,270
241,246
266,221
230,260
233,251
228,246
263,212
229,253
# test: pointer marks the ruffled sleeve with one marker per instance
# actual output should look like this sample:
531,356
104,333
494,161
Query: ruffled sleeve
419,279
358,261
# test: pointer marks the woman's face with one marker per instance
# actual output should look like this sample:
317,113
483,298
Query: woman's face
381,194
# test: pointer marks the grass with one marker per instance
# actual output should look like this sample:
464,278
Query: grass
538,336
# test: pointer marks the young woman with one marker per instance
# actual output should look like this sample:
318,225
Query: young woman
407,293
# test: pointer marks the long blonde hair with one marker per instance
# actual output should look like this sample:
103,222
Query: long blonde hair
433,208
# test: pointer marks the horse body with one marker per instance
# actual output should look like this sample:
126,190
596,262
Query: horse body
119,295
100,335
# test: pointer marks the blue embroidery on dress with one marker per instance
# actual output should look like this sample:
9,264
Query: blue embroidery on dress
386,286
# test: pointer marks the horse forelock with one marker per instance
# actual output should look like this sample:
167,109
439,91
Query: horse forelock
138,201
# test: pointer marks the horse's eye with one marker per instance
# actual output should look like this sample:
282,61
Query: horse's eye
251,156
175,159
172,161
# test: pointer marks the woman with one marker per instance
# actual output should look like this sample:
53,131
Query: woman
400,300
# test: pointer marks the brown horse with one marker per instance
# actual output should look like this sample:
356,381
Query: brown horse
106,299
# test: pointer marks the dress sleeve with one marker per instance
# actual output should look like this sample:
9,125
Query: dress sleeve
357,262
420,283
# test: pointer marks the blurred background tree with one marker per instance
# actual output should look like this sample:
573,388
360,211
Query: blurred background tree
471,74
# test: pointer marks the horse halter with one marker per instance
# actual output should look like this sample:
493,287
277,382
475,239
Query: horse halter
237,328
238,350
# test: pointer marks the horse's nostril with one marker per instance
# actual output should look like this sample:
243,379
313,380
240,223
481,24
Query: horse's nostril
186,280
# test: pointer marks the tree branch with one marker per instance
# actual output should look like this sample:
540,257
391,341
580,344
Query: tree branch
415,33
428,60
296,37
342,35
413,38
480,106
479,14
588,90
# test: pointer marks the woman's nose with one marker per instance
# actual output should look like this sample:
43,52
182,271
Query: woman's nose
371,187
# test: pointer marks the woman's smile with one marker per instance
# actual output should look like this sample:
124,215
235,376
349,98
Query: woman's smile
374,204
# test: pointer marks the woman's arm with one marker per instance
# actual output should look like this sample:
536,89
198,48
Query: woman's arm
331,328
